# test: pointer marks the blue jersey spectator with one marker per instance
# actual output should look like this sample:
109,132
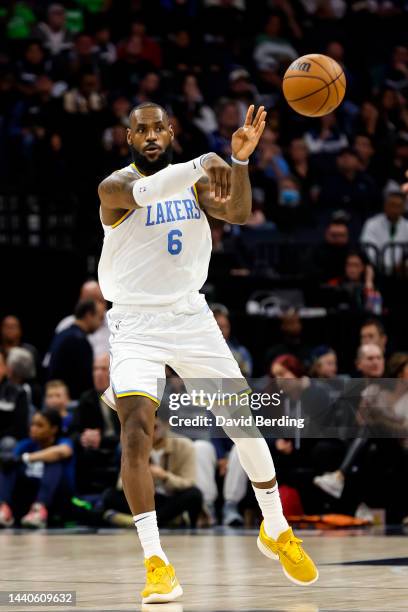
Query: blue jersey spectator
39,475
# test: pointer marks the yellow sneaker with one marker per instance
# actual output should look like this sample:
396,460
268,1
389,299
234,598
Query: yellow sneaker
161,582
296,563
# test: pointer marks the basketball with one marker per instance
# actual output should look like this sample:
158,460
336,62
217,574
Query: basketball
314,85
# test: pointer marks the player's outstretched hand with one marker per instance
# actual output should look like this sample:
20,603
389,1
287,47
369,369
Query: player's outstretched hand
219,175
246,138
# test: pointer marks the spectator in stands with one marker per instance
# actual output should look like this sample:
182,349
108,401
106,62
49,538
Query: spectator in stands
324,366
104,47
130,65
387,228
228,122
149,88
99,339
300,165
57,398
173,468
307,399
372,331
83,56
270,158
290,211
323,362
71,354
21,372
326,138
14,408
370,361
357,284
327,260
349,187
53,33
269,168
96,430
38,475
374,398
364,147
240,353
242,90
32,65
272,43
291,338
181,53
85,99
11,335
191,104
151,50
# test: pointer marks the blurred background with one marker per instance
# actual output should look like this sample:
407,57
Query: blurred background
319,274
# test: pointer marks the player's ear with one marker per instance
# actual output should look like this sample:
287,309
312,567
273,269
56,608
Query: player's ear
129,136
171,132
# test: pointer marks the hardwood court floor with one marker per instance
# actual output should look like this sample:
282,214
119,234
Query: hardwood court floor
219,571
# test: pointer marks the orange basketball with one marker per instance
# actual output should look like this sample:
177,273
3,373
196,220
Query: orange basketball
314,85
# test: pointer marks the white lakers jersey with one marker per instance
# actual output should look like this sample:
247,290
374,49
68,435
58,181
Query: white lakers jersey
157,254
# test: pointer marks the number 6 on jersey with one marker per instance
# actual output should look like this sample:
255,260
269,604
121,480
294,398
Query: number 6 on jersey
174,245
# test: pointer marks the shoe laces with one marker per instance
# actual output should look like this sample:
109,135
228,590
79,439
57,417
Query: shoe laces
156,575
293,550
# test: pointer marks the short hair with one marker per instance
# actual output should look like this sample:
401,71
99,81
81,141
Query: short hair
147,105
84,308
54,384
380,327
21,362
363,347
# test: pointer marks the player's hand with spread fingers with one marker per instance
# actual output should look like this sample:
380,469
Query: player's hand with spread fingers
245,139
219,175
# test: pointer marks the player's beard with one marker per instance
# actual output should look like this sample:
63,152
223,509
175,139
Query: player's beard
151,167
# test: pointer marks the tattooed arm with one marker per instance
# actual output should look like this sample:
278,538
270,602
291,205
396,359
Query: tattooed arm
116,191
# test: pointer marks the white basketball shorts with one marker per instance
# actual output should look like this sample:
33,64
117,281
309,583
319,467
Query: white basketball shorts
185,336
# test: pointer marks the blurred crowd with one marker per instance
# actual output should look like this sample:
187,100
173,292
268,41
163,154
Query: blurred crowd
60,442
69,75
71,72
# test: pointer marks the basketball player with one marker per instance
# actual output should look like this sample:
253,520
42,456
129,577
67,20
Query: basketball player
154,262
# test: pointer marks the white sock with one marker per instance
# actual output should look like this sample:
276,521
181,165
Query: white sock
148,532
271,506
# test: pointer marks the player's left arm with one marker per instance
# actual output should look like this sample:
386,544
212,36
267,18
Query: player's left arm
234,183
